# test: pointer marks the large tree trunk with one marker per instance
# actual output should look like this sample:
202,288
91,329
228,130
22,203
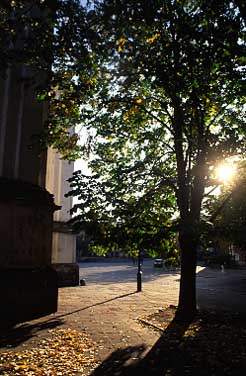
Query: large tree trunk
187,294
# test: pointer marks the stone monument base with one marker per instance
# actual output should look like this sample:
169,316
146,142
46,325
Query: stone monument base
67,274
28,284
26,294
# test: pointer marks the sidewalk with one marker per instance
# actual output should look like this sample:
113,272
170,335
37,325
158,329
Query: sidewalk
109,312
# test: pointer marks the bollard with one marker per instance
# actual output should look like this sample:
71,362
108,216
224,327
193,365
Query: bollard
82,282
139,274
139,281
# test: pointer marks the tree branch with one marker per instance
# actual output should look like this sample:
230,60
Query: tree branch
219,209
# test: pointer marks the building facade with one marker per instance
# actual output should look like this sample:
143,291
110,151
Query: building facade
28,284
63,239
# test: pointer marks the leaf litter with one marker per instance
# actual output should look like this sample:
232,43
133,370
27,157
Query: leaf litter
66,352
214,343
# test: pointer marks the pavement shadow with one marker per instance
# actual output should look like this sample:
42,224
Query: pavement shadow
118,362
15,335
96,304
163,356
212,344
12,337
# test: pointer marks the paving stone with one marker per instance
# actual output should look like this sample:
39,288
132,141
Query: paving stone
109,309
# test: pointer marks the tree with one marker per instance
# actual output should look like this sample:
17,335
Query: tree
116,220
50,38
168,107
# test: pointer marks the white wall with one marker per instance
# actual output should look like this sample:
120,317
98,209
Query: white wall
63,248
58,171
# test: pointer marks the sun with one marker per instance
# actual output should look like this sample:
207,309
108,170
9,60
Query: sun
225,172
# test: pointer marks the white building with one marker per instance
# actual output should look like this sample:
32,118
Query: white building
63,240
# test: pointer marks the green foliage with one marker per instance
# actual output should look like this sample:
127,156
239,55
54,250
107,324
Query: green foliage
230,208
168,106
172,257
51,38
117,220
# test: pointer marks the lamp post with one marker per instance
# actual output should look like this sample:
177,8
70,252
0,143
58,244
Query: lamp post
139,274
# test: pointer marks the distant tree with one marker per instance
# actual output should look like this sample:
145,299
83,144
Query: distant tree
168,107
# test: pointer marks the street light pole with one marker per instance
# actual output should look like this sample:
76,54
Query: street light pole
139,274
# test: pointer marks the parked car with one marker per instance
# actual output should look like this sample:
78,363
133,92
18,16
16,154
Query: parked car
159,263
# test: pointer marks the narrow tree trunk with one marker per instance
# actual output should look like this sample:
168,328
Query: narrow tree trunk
187,294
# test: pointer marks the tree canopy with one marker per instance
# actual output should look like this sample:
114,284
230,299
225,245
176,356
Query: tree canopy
51,37
169,104
170,94
168,107
115,220
228,210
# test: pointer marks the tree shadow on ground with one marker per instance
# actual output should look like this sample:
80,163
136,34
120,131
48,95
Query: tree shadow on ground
158,361
96,304
212,344
12,337
15,335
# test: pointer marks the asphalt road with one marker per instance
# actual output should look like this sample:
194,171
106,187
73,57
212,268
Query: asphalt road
215,288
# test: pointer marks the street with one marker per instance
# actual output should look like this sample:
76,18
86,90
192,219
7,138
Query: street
225,290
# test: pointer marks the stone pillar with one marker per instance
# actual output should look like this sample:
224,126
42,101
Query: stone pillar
21,121
64,240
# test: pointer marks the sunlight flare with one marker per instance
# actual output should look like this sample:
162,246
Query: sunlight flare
225,172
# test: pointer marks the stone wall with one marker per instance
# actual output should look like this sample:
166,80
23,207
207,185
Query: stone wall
28,286
26,294
68,274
